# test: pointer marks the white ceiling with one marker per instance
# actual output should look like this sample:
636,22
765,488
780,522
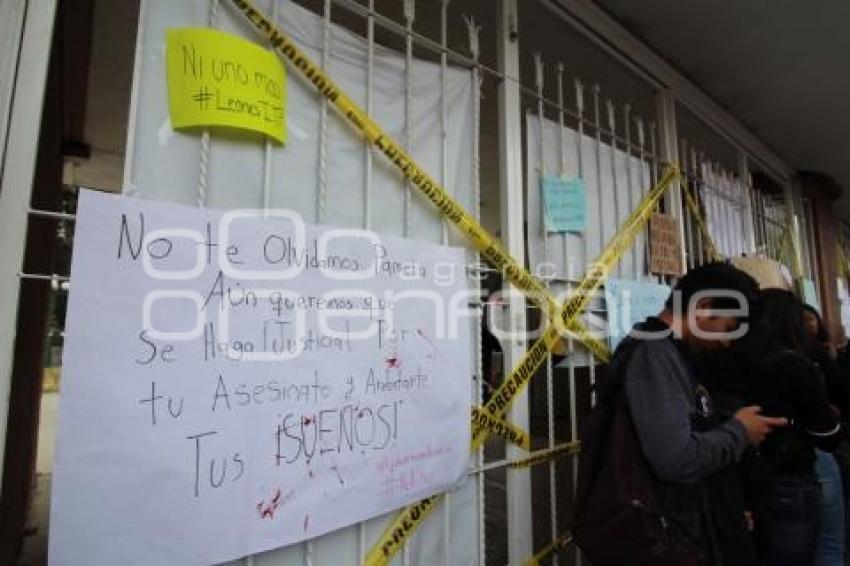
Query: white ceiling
782,67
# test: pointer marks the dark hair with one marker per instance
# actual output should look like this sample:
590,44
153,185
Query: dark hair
718,275
783,319
822,334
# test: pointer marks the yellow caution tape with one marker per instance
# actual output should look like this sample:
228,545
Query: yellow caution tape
412,516
713,254
489,247
542,456
565,319
784,252
784,248
516,381
619,244
788,245
556,545
577,331
399,530
577,302
534,357
500,427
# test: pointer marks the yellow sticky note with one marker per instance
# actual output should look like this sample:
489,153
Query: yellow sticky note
217,79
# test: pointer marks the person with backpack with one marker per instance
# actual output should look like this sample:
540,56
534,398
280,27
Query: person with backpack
650,443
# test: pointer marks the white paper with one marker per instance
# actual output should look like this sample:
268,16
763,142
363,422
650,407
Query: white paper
229,468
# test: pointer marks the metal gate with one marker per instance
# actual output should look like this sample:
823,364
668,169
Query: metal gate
534,112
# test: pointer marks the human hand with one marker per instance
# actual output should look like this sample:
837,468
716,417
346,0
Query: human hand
756,425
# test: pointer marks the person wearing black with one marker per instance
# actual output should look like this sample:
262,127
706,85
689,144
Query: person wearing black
784,492
842,454
823,353
679,434
725,376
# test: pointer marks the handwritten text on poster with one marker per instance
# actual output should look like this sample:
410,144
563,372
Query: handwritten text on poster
217,79
235,382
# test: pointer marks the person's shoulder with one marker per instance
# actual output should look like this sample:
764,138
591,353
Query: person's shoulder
639,350
782,356
655,346
788,362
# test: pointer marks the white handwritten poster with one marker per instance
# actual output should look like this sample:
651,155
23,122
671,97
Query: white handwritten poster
235,382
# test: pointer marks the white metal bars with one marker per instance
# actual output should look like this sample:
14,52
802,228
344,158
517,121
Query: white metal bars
772,235
809,247
558,146
474,49
541,172
320,212
717,221
518,482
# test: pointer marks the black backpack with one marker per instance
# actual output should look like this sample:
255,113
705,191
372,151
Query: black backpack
617,513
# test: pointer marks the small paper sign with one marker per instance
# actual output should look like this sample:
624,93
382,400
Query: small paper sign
665,245
630,302
810,294
217,79
564,204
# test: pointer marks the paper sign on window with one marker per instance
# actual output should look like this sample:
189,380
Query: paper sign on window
235,382
810,294
665,245
217,79
564,204
630,302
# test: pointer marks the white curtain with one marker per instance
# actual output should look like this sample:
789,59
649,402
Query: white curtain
725,201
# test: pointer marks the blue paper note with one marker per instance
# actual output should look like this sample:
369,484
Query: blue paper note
564,204
810,294
630,302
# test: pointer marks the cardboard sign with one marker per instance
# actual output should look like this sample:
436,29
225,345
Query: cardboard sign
564,204
233,383
665,245
217,79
